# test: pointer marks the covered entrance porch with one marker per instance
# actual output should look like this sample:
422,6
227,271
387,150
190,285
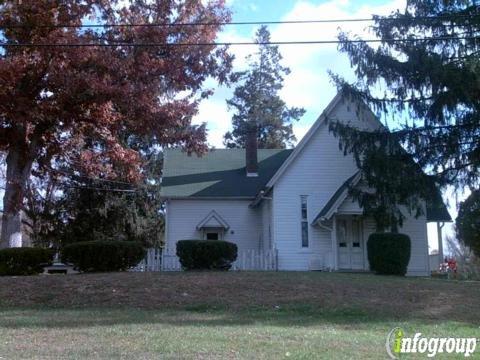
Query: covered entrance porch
347,227
348,243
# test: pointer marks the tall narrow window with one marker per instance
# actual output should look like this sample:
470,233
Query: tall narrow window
304,219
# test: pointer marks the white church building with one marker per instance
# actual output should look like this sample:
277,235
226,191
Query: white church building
292,201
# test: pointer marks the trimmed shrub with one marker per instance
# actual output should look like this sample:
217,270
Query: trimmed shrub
24,261
467,222
103,256
206,254
389,253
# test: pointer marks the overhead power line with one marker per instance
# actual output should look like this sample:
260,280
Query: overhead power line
298,42
93,179
241,23
131,186
101,189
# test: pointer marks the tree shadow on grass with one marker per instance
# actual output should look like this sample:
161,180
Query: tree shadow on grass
207,315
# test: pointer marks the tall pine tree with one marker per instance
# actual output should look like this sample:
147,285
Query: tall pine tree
256,100
427,68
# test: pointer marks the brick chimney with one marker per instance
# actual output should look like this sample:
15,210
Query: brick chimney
251,145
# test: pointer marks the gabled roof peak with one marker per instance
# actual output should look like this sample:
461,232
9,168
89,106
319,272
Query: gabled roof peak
313,129
213,220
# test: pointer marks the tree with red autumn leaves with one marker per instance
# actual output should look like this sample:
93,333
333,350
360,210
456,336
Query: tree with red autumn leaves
77,105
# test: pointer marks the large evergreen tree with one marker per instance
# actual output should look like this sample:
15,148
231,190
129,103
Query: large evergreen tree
256,100
424,77
467,223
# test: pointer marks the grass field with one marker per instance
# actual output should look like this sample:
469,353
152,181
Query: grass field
226,315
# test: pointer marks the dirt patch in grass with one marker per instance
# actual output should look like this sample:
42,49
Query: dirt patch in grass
393,297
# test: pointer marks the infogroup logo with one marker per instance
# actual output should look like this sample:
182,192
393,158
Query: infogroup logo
397,343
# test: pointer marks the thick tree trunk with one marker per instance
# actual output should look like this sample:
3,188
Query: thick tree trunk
19,166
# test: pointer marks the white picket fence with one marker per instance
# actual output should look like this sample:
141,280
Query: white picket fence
158,259
256,260
166,260
170,261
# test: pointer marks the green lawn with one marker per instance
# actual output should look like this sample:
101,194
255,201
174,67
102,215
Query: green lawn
227,315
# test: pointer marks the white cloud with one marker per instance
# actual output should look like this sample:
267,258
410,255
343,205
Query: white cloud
215,114
300,130
308,85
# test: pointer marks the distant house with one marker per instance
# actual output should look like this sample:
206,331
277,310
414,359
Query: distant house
294,201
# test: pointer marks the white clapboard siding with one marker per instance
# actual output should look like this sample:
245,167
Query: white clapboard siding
435,262
416,229
183,216
318,171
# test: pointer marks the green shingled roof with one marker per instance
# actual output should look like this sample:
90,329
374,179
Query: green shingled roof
218,173
221,173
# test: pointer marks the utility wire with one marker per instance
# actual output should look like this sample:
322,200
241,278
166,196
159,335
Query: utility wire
246,43
101,189
241,23
133,187
71,173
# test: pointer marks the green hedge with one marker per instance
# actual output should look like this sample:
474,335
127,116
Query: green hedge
206,254
389,253
102,256
24,261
